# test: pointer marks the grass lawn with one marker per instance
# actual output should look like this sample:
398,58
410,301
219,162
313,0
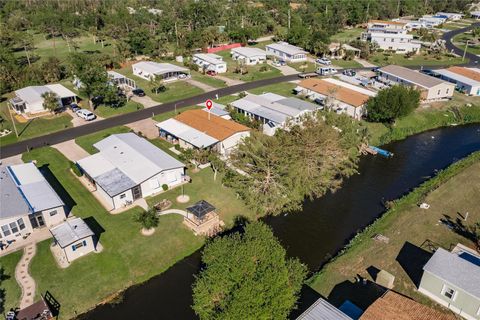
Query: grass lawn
128,257
422,59
303,66
227,99
407,226
437,115
209,80
283,88
9,285
32,128
254,72
347,35
346,63
171,114
107,112
87,141
460,41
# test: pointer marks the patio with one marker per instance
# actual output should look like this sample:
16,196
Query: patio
202,219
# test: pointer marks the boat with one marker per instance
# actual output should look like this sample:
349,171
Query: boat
385,153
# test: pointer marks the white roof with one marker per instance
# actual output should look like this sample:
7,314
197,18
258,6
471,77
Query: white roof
60,90
457,77
71,231
158,68
249,52
391,35
286,48
187,133
33,94
351,87
210,58
125,160
323,310
115,75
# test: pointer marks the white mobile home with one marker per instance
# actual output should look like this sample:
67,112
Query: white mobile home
250,56
210,62
27,203
30,100
398,42
128,167
466,80
149,70
286,52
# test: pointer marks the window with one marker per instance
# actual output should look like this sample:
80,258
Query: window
448,292
78,245
438,93
447,91
6,230
52,213
123,196
20,223
13,227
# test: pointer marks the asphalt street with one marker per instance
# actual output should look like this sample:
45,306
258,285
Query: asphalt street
73,133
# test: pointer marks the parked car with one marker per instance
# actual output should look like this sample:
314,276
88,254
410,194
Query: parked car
86,114
211,73
138,92
279,63
182,76
349,72
324,61
308,75
74,107
324,71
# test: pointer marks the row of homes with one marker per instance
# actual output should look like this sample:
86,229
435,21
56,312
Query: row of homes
391,35
466,80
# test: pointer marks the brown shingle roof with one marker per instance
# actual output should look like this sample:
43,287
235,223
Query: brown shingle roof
393,306
340,93
215,127
465,72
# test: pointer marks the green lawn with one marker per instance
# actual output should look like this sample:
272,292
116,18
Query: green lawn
128,257
209,80
8,284
254,72
346,63
171,114
347,35
460,41
422,59
455,191
107,112
283,88
87,141
32,128
227,99
304,66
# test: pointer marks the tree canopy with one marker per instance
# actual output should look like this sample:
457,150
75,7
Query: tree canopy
247,276
392,103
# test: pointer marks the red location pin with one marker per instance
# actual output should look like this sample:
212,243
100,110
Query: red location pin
209,104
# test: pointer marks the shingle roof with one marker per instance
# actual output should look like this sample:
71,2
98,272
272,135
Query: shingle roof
71,231
215,127
393,306
322,310
474,75
412,76
340,93
182,131
456,269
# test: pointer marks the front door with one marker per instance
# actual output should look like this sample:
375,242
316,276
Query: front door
137,192
37,220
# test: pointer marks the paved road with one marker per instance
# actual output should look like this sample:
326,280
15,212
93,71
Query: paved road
72,133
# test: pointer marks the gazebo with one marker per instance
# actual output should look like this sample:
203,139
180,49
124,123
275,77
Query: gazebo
202,219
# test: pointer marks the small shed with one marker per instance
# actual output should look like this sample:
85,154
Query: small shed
37,311
202,219
75,238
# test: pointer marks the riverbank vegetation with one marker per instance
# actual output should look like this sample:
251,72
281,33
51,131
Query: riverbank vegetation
247,276
412,232
392,103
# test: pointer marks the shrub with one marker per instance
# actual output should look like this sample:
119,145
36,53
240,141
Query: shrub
75,169
148,219
164,187
263,68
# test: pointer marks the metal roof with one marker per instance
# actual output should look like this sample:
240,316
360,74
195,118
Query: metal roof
286,48
351,86
458,269
187,133
210,58
322,310
33,94
217,111
158,68
412,76
201,208
12,203
114,182
115,75
457,77
249,52
71,231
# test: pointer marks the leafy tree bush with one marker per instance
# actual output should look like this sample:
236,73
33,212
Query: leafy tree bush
247,276
148,219
164,187
392,103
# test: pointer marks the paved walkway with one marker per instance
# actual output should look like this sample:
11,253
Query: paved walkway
174,211
146,101
146,126
12,160
201,85
71,150
365,63
229,82
24,279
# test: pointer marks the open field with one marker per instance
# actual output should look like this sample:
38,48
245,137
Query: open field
8,284
450,194
128,257
107,112
422,59
347,35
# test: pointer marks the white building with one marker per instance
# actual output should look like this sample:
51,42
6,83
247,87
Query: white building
210,62
250,56
431,88
75,238
149,70
432,21
273,110
30,100
27,203
449,15
466,80
475,14
286,52
128,167
391,35
200,130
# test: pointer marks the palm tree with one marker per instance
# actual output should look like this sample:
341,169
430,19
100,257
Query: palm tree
50,101
148,219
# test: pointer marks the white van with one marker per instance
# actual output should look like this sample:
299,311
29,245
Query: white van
86,114
325,71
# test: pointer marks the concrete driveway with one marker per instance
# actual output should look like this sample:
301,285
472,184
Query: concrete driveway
77,121
71,150
285,70
229,82
201,85
146,101
12,160
146,127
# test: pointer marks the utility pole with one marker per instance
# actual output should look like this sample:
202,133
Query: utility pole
13,122
465,51
289,18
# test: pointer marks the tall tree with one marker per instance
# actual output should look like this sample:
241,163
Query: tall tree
392,103
50,101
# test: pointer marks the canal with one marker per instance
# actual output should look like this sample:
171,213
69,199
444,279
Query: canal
322,228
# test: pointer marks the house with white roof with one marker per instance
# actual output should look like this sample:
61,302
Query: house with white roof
30,100
128,168
210,62
391,35
120,80
199,129
432,21
28,202
286,52
149,70
452,279
249,56
217,109
323,310
74,239
466,80
475,14
273,110
452,16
